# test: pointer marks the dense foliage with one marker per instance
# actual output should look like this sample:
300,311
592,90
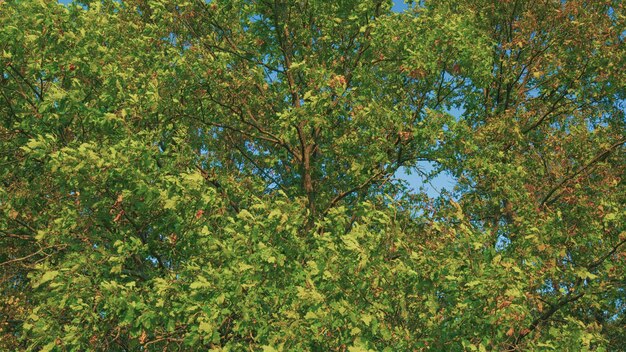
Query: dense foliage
221,175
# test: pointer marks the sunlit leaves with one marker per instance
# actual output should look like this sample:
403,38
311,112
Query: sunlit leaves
220,175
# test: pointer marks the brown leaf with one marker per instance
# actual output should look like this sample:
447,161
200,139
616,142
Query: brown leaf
118,216
143,337
119,200
504,304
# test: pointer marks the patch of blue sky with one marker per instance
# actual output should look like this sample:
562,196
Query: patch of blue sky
399,6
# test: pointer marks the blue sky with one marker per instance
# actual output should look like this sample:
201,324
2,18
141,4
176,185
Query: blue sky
414,180
399,6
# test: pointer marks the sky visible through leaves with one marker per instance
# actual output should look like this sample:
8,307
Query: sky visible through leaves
414,178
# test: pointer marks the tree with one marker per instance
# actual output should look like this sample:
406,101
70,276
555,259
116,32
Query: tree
221,175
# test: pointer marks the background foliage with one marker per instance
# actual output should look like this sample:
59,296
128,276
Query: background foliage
220,175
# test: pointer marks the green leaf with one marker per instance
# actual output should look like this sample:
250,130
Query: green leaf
205,328
47,276
48,347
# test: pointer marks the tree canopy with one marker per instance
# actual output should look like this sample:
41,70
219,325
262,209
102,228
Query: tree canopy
221,175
